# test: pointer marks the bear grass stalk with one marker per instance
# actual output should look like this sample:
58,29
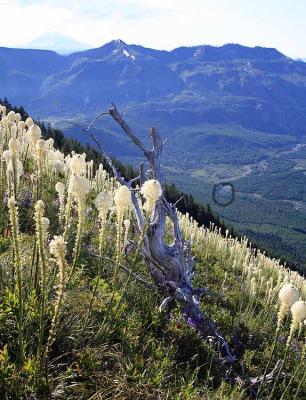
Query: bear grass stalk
122,201
300,367
13,211
298,312
78,188
41,224
103,203
288,295
57,249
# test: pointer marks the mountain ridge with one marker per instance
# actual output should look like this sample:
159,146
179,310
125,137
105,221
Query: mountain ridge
230,113
252,87
130,73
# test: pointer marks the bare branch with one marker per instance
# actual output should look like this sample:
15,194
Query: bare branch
269,377
86,130
157,142
142,173
177,201
118,118
95,119
137,178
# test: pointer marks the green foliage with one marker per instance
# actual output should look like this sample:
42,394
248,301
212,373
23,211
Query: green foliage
110,340
201,213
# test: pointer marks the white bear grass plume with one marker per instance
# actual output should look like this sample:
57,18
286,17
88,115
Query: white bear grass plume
123,200
288,295
151,191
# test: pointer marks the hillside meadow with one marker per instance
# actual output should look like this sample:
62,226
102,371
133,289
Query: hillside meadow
81,317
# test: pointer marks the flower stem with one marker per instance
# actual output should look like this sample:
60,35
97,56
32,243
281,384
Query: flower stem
15,234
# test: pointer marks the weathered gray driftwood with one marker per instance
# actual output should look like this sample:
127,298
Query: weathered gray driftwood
170,266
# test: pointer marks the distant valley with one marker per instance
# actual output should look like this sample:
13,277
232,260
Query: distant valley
230,114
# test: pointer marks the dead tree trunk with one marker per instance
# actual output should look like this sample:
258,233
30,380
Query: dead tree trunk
170,266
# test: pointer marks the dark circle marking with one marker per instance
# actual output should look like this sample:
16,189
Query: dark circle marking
217,189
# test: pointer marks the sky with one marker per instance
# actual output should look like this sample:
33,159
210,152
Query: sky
160,24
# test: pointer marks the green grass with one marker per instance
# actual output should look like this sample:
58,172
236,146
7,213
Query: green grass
75,324
127,349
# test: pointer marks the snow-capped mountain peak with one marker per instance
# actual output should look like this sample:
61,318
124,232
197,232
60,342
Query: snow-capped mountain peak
58,42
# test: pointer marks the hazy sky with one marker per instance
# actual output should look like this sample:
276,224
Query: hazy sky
162,24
